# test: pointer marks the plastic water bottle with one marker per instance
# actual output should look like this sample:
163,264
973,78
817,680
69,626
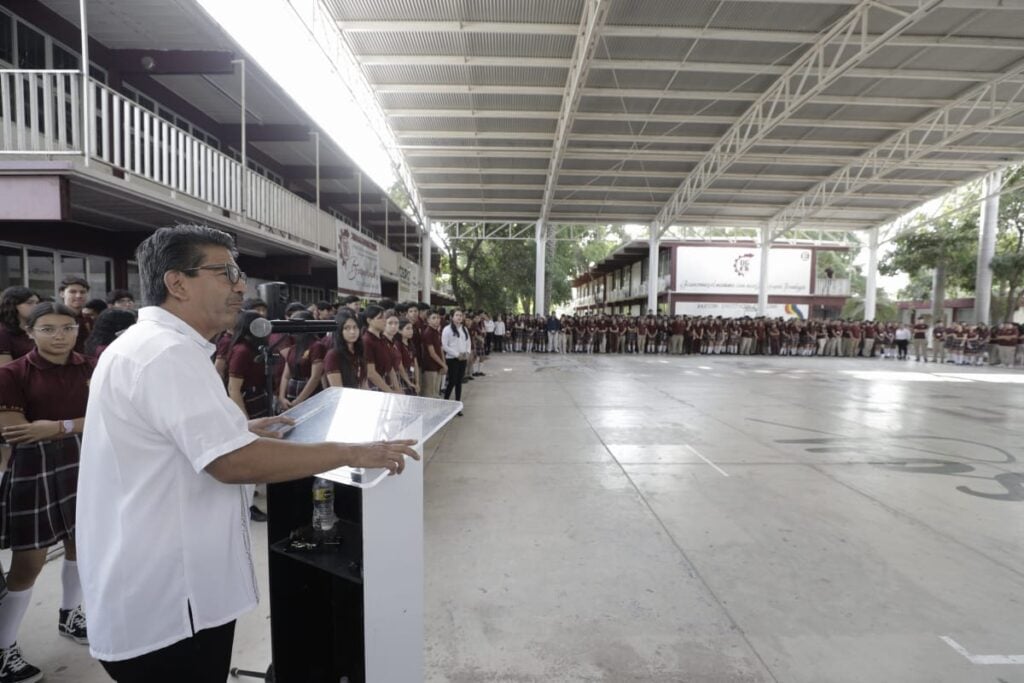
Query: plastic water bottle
323,505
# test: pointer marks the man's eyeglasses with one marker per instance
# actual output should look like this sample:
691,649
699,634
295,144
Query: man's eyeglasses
230,270
50,331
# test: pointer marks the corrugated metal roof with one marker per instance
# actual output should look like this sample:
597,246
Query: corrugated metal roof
667,79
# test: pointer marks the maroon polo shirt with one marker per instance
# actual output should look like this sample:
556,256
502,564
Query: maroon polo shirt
352,369
377,353
431,339
15,343
245,365
41,390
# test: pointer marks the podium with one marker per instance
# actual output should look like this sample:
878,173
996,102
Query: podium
352,609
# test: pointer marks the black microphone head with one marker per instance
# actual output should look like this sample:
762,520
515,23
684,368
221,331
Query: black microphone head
260,327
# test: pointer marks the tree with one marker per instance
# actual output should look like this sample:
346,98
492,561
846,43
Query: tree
948,248
1008,263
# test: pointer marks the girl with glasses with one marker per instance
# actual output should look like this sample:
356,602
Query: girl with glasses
43,396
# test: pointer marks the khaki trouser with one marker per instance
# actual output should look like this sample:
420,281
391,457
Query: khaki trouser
869,344
431,386
920,349
676,342
746,345
1006,354
938,350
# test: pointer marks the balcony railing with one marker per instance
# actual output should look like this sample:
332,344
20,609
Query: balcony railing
40,113
831,286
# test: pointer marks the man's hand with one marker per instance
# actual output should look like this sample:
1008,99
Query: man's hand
31,432
270,427
389,455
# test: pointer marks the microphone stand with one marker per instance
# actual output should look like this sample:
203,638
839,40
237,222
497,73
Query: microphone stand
265,354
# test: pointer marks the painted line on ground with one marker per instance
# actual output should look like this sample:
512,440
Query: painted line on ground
983,659
698,454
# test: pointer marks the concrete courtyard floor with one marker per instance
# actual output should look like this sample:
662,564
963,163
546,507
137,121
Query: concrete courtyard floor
713,519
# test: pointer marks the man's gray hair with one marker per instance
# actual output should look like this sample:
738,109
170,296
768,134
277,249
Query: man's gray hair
174,248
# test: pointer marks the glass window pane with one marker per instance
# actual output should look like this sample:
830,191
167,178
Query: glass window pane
11,271
40,273
31,48
133,279
64,59
100,282
72,266
6,38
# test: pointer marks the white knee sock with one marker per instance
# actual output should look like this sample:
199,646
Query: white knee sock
72,596
12,611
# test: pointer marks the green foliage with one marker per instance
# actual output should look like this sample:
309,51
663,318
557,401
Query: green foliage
499,275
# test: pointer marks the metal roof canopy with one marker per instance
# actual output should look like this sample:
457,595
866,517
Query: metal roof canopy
277,126
830,114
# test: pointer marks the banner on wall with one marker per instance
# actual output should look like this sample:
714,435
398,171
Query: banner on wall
737,270
358,263
738,310
408,279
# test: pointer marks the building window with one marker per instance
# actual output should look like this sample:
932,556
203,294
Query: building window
6,38
100,276
41,274
134,281
12,271
64,59
31,48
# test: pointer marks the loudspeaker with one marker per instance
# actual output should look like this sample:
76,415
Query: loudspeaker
276,296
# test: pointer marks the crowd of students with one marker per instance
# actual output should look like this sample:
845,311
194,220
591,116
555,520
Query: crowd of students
690,335
49,348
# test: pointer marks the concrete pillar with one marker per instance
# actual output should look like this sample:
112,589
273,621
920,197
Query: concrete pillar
987,248
762,284
88,120
652,267
538,290
871,295
426,277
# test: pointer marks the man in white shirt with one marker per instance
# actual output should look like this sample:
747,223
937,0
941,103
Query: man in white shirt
164,550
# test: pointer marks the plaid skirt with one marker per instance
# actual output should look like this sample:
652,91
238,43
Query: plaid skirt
37,494
257,403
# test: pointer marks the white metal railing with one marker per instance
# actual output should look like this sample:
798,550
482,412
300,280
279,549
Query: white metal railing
39,111
831,286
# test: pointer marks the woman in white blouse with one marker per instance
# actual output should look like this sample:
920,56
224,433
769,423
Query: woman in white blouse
456,346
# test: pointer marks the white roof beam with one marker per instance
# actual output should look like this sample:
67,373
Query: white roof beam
838,51
938,131
587,37
668,32
747,69
648,93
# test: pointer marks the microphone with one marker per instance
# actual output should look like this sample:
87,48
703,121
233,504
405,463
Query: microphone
261,327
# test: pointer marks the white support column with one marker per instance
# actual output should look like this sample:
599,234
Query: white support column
316,152
653,241
244,203
88,120
538,289
762,285
987,248
426,278
871,295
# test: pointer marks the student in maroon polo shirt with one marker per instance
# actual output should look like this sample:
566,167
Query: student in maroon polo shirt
345,365
43,396
303,367
379,372
409,365
16,304
399,377
434,365
247,383
109,326
74,292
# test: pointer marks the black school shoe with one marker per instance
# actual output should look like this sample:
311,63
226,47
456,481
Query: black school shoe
71,624
14,668
257,515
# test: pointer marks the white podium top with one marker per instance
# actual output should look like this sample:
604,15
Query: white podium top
358,416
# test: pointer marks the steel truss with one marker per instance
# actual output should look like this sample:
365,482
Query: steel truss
807,236
594,14
838,51
981,107
504,231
